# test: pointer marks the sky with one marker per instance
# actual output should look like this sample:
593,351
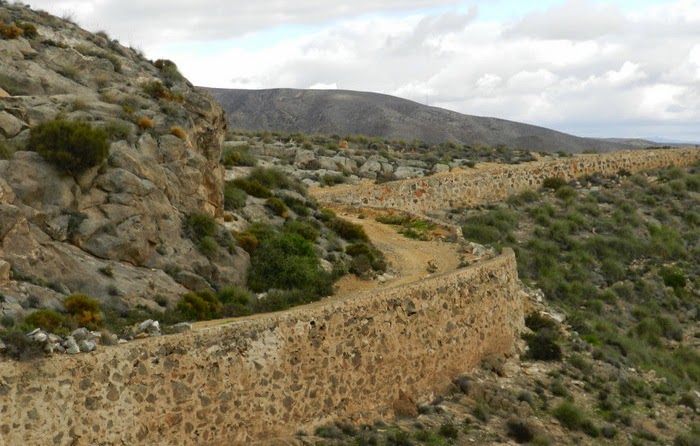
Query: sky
619,68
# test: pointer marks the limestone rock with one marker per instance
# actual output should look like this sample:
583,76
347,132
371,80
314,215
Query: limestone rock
403,172
5,271
181,327
305,159
440,167
86,346
9,125
62,229
148,327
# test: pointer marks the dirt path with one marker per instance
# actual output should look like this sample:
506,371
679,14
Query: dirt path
408,260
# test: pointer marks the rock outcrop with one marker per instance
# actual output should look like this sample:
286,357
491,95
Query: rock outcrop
58,231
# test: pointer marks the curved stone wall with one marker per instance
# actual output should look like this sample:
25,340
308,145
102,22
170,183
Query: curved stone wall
491,183
269,375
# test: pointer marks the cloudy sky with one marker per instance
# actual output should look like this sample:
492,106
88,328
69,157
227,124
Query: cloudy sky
627,68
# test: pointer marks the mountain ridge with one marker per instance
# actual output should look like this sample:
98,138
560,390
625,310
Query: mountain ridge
389,117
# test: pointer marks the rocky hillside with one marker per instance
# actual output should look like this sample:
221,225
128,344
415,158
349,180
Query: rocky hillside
377,115
112,227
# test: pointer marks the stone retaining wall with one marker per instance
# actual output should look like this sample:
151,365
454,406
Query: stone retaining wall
270,375
495,183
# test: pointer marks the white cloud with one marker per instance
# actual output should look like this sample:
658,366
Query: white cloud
581,66
572,20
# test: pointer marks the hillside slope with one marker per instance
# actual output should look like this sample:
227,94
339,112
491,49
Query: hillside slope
115,229
372,114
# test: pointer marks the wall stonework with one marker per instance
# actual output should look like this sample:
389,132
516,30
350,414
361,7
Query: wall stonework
269,375
495,183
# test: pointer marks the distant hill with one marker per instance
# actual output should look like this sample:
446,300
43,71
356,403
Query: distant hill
352,112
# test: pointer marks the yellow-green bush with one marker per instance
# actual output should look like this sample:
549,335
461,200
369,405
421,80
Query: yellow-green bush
71,146
84,310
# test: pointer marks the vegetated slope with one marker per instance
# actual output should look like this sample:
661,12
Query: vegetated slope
616,260
372,114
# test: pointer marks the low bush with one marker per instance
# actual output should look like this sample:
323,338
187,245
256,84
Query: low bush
234,198
83,310
71,146
553,183
179,132
303,228
199,225
277,206
275,179
246,240
252,187
19,347
28,29
520,431
199,305
168,71
347,230
144,123
208,246
287,261
48,320
10,31
238,156
543,346
570,416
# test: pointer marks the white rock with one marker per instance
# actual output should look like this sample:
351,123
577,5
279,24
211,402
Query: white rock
182,327
86,346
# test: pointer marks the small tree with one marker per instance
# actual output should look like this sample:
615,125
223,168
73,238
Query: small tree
71,146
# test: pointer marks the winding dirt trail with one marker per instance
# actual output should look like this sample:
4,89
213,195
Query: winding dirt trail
408,259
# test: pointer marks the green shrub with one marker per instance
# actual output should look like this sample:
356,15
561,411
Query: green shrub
168,71
208,246
347,230
448,430
398,219
275,179
542,346
287,261
249,242
528,196
238,156
119,130
234,198
200,305
277,206
565,193
252,187
199,225
303,228
28,29
673,277
553,183
71,146
520,431
48,320
570,416
481,413
83,310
